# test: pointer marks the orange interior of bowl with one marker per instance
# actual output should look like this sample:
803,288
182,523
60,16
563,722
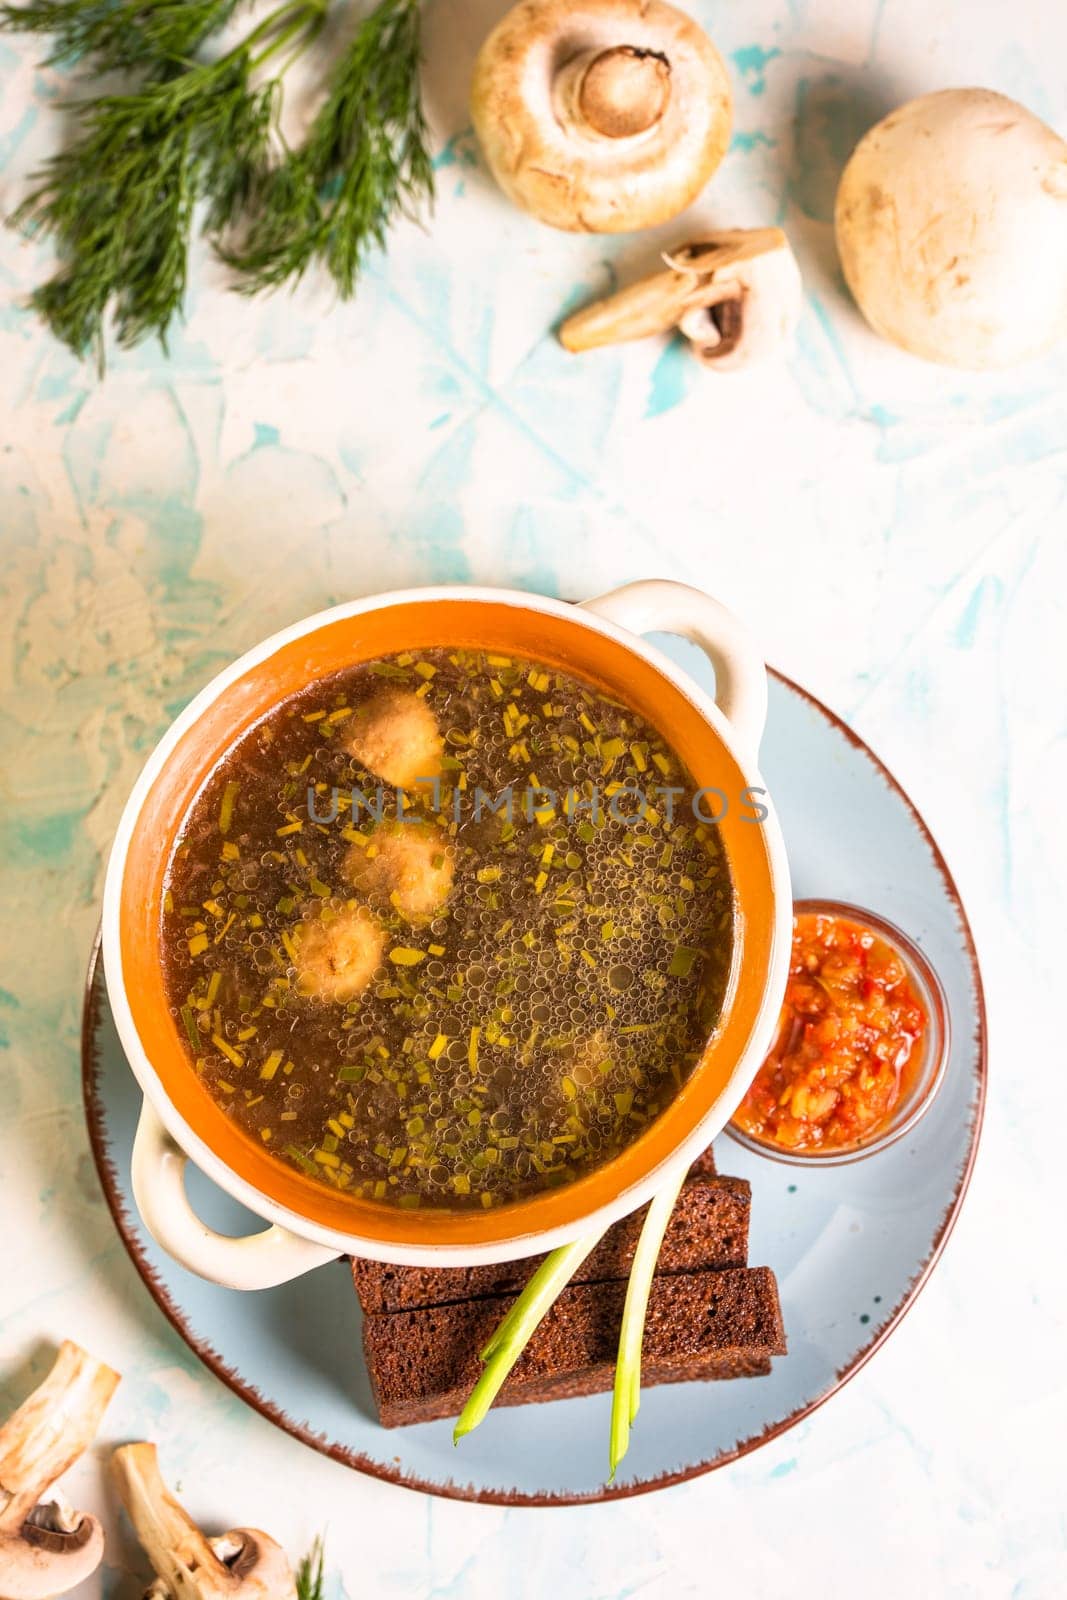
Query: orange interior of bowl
476,624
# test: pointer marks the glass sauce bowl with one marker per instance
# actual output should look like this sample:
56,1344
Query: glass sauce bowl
924,1077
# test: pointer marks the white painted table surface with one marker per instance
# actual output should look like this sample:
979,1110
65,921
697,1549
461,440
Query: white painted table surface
896,535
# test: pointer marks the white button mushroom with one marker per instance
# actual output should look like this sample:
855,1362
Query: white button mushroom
47,1548
601,116
243,1564
409,865
337,954
952,228
395,736
737,296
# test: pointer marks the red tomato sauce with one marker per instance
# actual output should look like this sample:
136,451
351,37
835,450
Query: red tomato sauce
849,1040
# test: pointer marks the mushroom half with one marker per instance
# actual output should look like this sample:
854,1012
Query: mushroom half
601,116
46,1547
244,1564
736,296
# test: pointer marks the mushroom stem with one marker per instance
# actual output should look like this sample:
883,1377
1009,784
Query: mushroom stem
655,305
659,303
617,93
50,1430
244,1562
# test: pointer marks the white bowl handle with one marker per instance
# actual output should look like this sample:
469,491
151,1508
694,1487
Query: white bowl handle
256,1261
657,606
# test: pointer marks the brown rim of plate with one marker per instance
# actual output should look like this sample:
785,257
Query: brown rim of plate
450,1490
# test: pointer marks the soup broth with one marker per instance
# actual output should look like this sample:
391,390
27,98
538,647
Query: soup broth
445,929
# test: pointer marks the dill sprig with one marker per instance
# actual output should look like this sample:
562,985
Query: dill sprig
120,200
364,162
119,34
310,1577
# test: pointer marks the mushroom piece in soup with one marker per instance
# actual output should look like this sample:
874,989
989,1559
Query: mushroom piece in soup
409,865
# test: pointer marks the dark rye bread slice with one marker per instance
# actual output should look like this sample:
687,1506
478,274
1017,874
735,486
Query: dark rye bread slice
701,1325
709,1228
704,1165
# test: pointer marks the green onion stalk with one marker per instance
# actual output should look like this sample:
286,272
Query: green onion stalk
626,1398
514,1332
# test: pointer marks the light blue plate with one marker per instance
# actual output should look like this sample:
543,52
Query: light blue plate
851,1245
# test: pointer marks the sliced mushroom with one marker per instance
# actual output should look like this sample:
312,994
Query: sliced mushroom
46,1547
408,865
601,116
337,954
395,736
737,297
244,1562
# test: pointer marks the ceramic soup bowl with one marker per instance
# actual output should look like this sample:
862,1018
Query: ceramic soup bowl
309,1223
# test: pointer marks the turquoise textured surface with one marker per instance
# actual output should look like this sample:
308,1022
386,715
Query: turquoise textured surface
894,533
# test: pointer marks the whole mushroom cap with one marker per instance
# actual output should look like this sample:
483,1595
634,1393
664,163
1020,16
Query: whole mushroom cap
951,224
601,116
